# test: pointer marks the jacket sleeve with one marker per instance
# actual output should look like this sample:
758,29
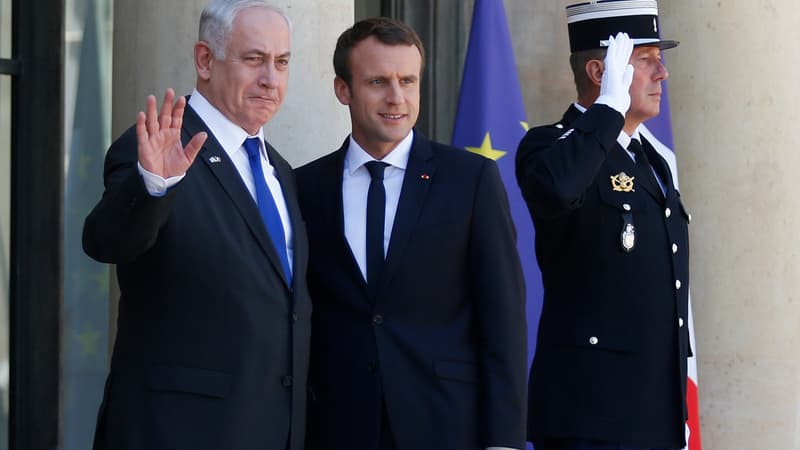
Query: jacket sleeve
125,222
499,292
555,166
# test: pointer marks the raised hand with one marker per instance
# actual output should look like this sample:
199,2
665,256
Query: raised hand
618,73
159,136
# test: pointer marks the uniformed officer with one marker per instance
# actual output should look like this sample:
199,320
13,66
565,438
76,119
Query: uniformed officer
612,243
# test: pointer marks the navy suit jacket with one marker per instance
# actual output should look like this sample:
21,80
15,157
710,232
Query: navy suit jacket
610,360
211,349
443,342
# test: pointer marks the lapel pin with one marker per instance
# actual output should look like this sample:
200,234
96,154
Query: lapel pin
621,182
214,159
425,176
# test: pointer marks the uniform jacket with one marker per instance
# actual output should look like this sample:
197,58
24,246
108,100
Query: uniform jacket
212,344
443,342
610,362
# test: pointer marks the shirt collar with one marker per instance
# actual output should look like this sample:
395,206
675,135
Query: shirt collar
398,157
229,135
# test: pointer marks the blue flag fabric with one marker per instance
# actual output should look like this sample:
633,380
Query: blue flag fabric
491,121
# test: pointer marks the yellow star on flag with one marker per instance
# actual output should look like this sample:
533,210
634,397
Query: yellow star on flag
88,341
486,149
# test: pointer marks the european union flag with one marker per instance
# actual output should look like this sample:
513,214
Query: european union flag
491,121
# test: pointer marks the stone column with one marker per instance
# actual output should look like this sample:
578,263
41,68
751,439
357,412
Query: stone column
153,50
733,93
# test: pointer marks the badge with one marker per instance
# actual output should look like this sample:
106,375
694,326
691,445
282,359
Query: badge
621,182
628,237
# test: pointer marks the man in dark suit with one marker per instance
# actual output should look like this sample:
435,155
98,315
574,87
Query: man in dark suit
419,338
213,333
612,243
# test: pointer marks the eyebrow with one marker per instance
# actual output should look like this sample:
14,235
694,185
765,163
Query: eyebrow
263,53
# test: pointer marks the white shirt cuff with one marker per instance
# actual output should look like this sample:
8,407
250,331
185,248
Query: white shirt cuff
156,184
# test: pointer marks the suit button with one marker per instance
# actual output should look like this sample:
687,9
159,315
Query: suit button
680,322
593,340
667,212
377,319
286,381
677,284
294,317
626,207
674,248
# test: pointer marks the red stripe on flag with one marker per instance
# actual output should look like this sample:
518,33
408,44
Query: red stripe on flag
694,415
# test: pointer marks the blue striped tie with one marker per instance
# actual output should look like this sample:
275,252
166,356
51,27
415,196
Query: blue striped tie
266,205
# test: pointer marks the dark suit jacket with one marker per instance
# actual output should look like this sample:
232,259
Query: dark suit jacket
610,361
443,342
212,345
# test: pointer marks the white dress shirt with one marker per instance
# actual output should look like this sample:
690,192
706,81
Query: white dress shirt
355,185
231,137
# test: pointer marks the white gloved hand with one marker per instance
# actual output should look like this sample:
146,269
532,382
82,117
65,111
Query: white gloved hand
618,74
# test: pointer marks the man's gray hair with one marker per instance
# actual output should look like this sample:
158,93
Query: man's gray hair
216,21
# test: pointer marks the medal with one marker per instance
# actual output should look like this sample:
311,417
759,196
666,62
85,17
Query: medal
628,237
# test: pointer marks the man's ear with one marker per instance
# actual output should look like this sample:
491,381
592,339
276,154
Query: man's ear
203,60
594,71
342,90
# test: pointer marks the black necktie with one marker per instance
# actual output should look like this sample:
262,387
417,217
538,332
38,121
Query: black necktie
643,163
376,218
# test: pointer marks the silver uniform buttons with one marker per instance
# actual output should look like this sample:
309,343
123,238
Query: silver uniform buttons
593,340
680,322
668,212
626,207
677,284
674,248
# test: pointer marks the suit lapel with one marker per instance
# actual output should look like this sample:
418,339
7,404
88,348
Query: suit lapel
218,162
660,165
332,205
643,180
284,175
416,185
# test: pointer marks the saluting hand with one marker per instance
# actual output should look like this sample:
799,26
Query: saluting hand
159,136
617,73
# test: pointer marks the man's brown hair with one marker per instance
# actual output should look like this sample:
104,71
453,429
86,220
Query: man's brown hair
387,31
